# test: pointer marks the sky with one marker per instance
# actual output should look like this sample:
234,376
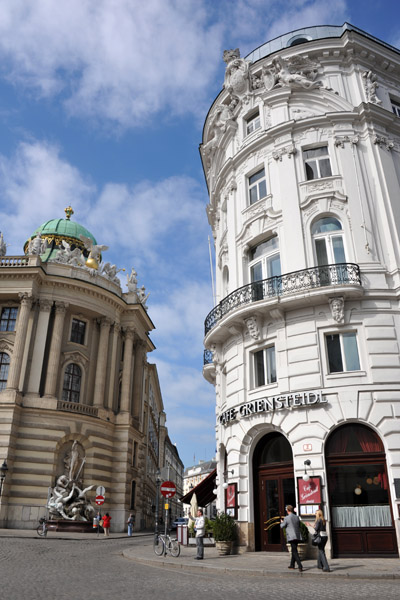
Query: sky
102,104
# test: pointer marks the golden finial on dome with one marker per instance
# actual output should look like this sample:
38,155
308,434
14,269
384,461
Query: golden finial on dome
69,212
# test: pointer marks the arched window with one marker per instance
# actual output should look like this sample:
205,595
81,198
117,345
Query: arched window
4,367
265,263
328,241
72,383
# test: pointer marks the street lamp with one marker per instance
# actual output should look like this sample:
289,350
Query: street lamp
3,473
158,481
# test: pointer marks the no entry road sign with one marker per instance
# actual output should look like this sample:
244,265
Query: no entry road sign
168,489
99,500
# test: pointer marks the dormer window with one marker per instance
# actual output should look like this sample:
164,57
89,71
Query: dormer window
253,123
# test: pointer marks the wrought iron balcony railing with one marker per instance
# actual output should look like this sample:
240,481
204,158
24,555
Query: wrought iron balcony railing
208,357
283,285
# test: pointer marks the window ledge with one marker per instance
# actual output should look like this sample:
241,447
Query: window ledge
263,388
341,374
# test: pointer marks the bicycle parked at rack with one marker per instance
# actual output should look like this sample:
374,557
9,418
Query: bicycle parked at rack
42,527
163,543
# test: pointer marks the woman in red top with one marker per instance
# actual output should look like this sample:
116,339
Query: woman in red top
106,524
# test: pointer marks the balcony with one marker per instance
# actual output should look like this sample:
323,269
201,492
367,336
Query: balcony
75,407
283,285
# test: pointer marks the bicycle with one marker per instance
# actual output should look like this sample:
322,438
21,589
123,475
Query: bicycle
163,543
42,527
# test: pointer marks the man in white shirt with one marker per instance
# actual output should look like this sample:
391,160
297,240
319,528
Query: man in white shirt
200,529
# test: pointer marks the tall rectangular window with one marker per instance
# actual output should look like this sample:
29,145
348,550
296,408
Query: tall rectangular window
8,319
317,163
78,330
342,352
257,186
396,107
253,123
264,367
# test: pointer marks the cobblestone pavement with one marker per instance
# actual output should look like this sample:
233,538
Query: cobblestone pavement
88,568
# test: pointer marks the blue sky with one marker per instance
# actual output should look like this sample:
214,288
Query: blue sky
102,104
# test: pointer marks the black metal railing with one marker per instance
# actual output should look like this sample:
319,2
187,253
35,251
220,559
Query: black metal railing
208,357
282,285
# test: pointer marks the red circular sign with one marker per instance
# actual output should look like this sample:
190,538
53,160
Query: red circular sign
99,500
168,489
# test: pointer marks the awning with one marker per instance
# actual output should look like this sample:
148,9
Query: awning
203,490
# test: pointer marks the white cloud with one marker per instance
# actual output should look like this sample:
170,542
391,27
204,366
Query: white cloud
121,61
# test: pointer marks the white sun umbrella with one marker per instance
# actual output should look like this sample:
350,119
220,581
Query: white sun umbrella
193,505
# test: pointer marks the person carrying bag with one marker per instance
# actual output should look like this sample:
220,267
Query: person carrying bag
320,539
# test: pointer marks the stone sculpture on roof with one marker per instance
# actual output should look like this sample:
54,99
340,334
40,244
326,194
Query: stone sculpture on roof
3,246
95,251
37,245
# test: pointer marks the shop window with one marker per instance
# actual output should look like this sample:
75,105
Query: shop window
342,352
4,367
72,383
253,123
257,186
264,367
395,107
78,330
317,163
8,319
357,479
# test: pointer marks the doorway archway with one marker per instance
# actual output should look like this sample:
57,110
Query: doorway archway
359,497
274,488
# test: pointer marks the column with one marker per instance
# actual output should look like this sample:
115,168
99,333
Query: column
101,367
55,350
19,343
115,331
126,370
140,358
39,347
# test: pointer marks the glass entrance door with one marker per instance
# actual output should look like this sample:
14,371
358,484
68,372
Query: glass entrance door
276,493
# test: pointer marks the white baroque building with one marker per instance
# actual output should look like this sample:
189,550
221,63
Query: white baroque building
301,153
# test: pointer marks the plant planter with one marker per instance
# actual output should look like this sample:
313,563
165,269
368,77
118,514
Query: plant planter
302,549
224,547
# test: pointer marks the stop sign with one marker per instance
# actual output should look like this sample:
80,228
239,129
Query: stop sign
99,500
168,489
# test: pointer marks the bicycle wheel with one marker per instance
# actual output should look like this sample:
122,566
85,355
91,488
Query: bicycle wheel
40,531
158,545
174,548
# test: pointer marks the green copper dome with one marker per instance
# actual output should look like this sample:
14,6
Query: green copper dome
57,230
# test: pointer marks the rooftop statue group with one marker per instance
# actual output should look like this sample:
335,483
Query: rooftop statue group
75,257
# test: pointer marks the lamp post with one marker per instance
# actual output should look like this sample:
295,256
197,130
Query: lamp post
3,473
158,481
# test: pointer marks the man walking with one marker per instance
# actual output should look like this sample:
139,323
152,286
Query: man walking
293,536
200,529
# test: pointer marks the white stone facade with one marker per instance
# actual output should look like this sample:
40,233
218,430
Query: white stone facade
301,152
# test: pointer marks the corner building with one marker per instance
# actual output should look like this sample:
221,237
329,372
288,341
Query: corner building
301,153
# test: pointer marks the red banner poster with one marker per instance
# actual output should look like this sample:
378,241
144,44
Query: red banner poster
309,491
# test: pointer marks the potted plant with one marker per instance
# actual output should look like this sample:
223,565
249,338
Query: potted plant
225,533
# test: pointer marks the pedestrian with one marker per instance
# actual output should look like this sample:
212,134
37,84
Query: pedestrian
200,529
106,524
320,529
293,536
131,524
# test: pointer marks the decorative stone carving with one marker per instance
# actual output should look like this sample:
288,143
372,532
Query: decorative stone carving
370,86
139,295
37,245
337,308
3,246
110,272
142,296
68,499
132,280
237,80
295,72
6,347
289,150
69,257
342,140
380,141
95,251
300,113
252,327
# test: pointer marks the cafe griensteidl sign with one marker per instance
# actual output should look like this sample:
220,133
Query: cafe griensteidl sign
272,404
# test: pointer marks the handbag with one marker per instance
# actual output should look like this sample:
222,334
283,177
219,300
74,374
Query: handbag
316,539
101,522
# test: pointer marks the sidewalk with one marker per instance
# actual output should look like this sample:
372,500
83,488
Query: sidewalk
264,564
259,564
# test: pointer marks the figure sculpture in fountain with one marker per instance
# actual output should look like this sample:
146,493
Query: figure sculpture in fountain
68,497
